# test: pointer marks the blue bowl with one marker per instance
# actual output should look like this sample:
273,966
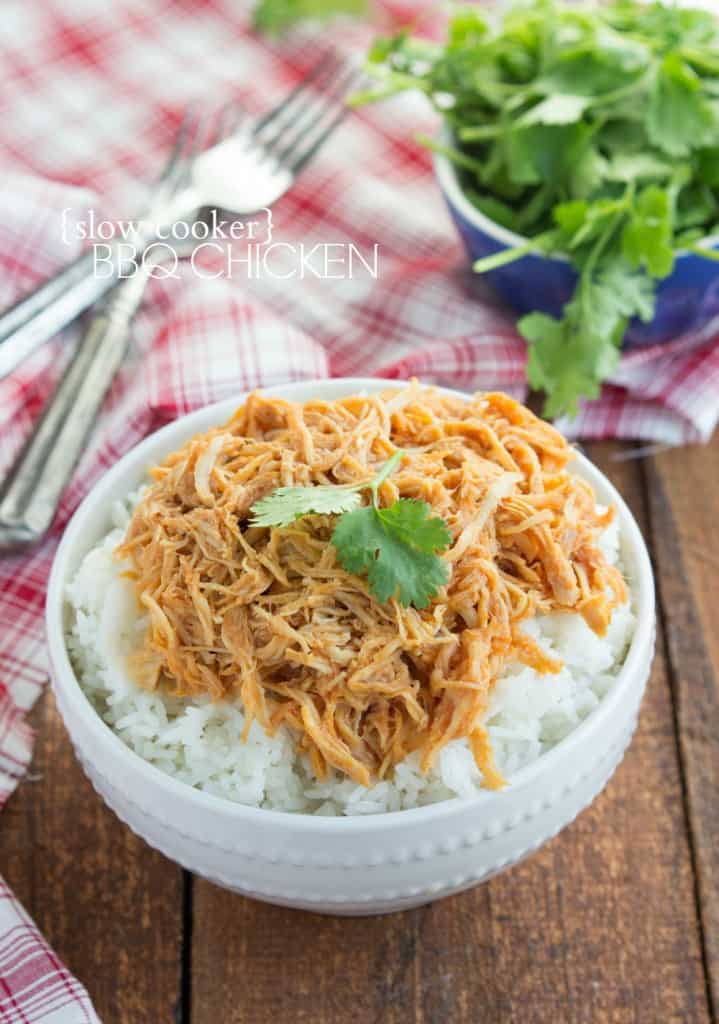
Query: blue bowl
686,300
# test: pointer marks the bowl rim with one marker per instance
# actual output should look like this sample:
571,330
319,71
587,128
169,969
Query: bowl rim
448,178
77,702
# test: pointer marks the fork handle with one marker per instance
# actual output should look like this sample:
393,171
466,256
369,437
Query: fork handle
47,309
30,496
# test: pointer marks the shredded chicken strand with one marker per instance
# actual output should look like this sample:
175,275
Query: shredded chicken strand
269,616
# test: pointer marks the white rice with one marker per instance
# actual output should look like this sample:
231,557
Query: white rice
200,742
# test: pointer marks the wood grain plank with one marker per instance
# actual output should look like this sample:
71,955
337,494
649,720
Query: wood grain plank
598,927
110,906
683,489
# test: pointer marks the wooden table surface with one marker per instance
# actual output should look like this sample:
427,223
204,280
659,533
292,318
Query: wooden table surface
616,920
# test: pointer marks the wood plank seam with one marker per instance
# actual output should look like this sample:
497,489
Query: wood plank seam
184,1003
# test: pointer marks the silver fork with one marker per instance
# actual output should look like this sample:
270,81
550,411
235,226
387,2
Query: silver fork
280,145
30,494
264,159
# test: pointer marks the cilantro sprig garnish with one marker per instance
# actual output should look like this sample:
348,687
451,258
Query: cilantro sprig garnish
397,546
591,130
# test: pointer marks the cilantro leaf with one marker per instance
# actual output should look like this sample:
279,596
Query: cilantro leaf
589,170
410,521
569,358
626,166
622,293
647,238
536,153
679,118
397,547
562,108
284,505
601,62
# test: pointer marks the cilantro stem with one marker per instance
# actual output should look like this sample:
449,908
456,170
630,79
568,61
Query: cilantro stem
481,132
455,155
707,254
611,227
376,482
505,256
601,244
397,83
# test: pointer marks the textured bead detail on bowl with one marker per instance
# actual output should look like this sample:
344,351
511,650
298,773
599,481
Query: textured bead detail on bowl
387,896
423,852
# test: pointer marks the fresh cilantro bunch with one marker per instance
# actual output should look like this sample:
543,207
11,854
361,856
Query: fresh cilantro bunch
396,546
593,131
277,16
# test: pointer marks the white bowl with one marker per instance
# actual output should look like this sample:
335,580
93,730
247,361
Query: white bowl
350,865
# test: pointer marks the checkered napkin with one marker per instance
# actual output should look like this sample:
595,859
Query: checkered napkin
91,97
34,985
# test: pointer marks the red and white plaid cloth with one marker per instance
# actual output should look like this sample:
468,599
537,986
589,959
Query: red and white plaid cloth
34,985
91,97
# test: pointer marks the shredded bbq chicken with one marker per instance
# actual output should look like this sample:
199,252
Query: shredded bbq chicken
268,615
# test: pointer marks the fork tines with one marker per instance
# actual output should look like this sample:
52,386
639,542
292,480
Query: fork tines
294,130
